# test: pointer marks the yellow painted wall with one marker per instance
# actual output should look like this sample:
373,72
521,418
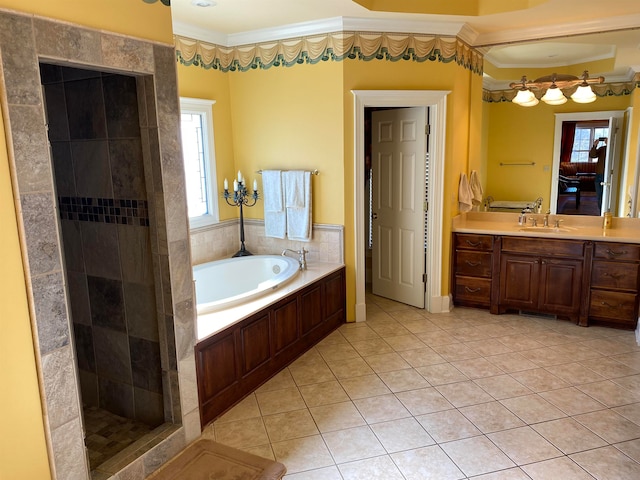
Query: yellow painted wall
632,162
302,117
129,17
291,118
23,452
518,134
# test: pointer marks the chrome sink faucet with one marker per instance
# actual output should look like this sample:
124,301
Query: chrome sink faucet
302,256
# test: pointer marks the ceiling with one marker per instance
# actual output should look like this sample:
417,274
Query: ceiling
513,34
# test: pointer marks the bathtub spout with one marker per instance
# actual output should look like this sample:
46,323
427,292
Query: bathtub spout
302,256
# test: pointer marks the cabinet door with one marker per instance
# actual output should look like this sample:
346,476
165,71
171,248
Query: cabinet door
284,325
519,278
255,340
311,309
560,285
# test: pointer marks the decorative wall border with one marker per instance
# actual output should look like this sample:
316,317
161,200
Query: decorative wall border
336,46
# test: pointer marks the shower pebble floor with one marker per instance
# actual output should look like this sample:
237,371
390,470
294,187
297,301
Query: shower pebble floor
108,434
416,396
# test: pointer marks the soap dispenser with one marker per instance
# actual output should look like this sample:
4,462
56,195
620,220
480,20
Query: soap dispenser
522,219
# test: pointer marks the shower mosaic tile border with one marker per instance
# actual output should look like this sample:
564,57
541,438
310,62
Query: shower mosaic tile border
104,210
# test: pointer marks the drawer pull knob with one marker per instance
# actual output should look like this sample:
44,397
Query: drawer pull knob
615,276
616,254
473,244
473,264
472,290
611,306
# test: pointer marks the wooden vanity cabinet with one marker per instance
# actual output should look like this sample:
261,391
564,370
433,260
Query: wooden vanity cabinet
473,269
615,278
234,362
541,275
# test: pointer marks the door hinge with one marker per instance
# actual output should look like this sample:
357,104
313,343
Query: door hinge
424,277
427,129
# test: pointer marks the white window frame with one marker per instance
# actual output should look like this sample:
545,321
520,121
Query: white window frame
204,108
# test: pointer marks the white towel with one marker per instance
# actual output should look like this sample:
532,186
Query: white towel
476,188
464,194
275,216
299,219
294,188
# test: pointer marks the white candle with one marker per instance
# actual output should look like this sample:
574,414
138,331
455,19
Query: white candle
226,184
235,185
239,176
255,185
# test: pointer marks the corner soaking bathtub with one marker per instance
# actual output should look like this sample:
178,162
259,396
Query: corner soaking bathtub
224,283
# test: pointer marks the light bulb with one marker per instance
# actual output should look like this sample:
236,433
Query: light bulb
584,94
554,96
525,98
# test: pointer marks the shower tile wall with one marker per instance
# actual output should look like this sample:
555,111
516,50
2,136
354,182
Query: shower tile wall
96,148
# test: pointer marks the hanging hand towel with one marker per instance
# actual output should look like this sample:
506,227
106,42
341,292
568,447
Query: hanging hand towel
294,188
476,188
299,218
464,194
275,216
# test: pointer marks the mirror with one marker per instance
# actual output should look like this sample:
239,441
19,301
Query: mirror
521,145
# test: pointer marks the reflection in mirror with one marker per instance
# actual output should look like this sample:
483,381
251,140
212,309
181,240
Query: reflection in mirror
588,164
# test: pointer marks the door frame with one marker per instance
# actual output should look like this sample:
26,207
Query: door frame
436,100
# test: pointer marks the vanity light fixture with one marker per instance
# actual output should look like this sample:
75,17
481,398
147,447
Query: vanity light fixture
553,86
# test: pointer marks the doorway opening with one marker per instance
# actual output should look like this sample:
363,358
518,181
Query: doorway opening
103,219
436,101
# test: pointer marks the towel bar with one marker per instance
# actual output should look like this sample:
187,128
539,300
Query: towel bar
313,172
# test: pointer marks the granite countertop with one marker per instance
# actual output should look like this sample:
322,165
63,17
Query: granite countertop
579,227
210,323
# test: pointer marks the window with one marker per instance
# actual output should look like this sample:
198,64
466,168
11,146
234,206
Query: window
199,161
584,137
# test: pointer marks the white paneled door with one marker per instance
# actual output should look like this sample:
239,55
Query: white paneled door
398,193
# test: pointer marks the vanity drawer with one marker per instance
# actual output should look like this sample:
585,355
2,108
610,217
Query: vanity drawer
543,246
471,241
616,275
616,306
617,251
473,290
471,263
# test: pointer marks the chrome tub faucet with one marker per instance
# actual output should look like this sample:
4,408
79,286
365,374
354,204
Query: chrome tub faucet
302,256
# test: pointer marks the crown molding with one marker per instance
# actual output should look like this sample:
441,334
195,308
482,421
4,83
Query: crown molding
190,31
549,32
610,54
305,29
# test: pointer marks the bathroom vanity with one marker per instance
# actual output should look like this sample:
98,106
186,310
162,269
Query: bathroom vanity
580,271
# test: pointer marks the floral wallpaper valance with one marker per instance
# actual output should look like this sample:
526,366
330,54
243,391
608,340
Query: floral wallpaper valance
331,46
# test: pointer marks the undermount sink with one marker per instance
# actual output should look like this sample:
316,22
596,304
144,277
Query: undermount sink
545,229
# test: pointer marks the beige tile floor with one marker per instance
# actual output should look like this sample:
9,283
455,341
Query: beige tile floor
418,396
